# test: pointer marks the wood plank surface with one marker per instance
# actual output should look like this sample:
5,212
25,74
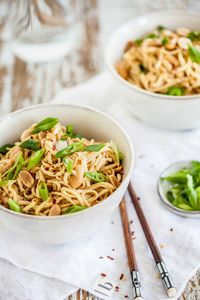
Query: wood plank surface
25,83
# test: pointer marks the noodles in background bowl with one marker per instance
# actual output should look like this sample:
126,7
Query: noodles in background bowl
54,171
164,62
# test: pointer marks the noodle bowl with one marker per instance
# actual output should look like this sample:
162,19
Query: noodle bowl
54,171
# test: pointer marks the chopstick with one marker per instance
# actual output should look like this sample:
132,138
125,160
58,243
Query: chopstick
130,253
170,289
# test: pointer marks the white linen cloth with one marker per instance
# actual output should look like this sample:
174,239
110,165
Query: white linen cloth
69,267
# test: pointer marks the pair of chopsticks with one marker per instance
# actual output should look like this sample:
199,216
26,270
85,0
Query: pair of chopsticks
134,272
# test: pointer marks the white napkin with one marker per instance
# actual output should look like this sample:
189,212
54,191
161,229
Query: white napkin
81,264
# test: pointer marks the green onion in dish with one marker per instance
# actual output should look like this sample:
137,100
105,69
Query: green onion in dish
138,42
73,209
96,176
4,149
45,125
194,53
165,41
11,174
184,188
94,147
194,36
75,147
35,159
14,206
4,182
31,145
175,91
43,191
160,28
151,36
68,162
70,133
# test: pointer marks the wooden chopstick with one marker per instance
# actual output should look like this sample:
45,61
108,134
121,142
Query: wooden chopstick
170,289
130,253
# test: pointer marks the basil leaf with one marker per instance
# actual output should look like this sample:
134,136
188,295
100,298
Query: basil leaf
194,36
175,91
96,176
74,209
35,159
75,147
68,164
31,144
4,149
45,125
14,206
194,53
94,148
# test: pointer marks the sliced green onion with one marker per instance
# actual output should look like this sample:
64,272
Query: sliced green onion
14,206
31,144
4,182
69,129
160,28
35,159
94,148
45,125
138,42
175,91
96,176
118,154
43,191
12,173
74,209
165,41
192,195
194,53
68,164
75,147
70,133
194,36
151,36
184,206
4,149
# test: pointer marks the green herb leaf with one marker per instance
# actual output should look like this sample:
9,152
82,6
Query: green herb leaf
4,182
4,149
143,69
138,42
69,164
194,53
194,36
175,91
75,147
43,191
14,206
165,41
74,209
70,133
30,144
94,147
45,125
95,176
35,159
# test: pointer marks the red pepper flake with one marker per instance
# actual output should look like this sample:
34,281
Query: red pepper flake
54,148
100,257
121,276
126,296
110,257
171,229
131,222
103,275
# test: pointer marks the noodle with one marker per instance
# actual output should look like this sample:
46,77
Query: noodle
164,62
38,178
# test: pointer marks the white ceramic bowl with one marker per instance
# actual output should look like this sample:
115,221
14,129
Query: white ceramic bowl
177,113
89,123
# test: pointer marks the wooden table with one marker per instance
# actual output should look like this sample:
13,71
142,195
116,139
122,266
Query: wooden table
24,83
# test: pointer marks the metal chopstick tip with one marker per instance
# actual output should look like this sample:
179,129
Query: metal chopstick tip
172,292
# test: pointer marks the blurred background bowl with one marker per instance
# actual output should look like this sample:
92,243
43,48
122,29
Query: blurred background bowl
91,124
170,112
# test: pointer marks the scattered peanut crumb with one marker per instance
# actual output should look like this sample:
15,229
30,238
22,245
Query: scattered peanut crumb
162,246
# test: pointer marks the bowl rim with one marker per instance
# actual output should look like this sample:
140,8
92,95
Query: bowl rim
163,198
133,87
87,108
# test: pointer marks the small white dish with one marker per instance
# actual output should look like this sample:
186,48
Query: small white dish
170,112
89,123
163,186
